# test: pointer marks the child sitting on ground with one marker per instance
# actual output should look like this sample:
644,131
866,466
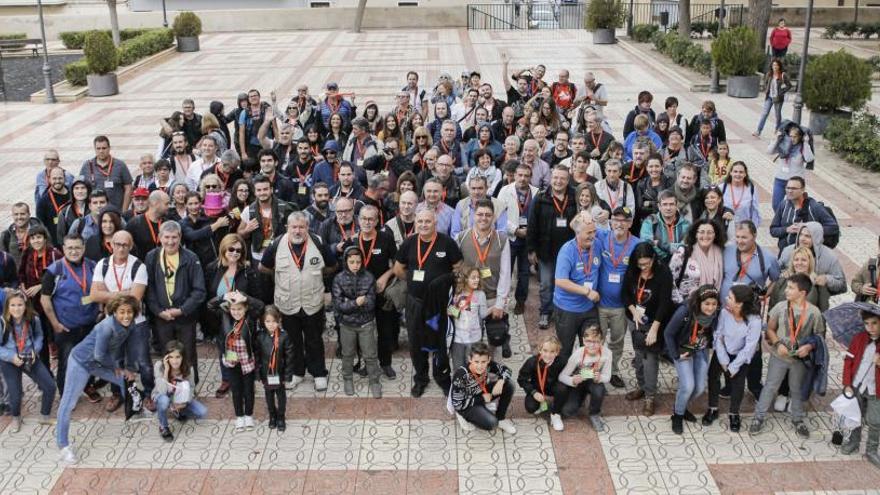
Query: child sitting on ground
475,388
174,390
539,379
587,371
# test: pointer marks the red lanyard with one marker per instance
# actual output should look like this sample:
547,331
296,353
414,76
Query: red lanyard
22,337
525,203
632,170
793,330
38,270
154,234
55,205
116,275
419,258
640,292
736,202
694,333
266,224
542,377
342,231
298,259
613,195
224,178
303,177
368,254
105,174
744,267
234,334
560,211
616,261
274,360
79,281
229,283
670,232
482,382
588,263
705,147
596,141
481,254
595,364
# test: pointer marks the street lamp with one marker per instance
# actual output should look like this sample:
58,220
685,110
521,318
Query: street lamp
47,70
164,15
715,85
799,96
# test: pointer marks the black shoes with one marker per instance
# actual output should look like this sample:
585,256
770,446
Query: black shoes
689,416
677,425
166,434
616,382
272,423
418,389
281,425
389,372
735,423
505,350
710,417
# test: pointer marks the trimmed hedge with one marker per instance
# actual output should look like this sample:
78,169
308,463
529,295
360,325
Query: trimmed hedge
74,40
837,80
856,139
683,51
12,36
149,43
850,29
644,32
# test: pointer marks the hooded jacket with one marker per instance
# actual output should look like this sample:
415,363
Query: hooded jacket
827,262
348,286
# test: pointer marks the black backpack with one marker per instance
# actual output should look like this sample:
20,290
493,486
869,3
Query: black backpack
831,240
134,267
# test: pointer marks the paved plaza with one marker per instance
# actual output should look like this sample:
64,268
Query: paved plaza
336,444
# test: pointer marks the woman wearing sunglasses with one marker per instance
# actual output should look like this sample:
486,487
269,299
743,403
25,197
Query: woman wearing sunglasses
230,272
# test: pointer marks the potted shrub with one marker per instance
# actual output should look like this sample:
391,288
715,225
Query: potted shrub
738,56
603,17
187,27
835,84
102,59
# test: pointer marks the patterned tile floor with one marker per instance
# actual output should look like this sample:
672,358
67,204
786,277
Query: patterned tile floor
337,444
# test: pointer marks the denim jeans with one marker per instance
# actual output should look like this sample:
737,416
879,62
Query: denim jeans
193,410
547,274
692,378
75,382
778,192
765,112
570,325
38,373
596,391
519,254
138,354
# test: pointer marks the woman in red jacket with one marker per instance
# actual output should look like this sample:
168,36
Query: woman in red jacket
861,377
780,38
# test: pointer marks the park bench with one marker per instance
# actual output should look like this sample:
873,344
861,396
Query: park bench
32,44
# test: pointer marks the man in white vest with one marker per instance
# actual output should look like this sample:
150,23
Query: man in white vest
299,261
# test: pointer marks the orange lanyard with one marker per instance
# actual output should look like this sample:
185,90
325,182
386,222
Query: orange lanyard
523,205
616,261
368,254
640,292
55,205
22,337
154,234
108,247
588,263
38,270
745,265
116,274
234,334
482,382
224,178
793,330
342,231
632,170
266,224
614,196
736,202
105,174
481,254
298,259
596,141
705,147
694,333
303,177
542,377
79,281
560,211
595,364
274,359
419,258
670,232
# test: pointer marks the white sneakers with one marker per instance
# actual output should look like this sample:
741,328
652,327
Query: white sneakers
556,422
249,423
239,424
780,404
320,384
295,381
464,424
15,425
68,456
506,426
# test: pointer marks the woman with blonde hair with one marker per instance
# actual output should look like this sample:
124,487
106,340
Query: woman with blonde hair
211,127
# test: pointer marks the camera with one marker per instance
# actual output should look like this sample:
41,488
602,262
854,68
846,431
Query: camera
27,362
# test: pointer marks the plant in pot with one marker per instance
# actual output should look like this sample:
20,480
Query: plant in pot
737,55
187,27
835,84
102,59
603,17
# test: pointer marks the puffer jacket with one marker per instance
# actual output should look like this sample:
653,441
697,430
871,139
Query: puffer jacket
264,344
348,286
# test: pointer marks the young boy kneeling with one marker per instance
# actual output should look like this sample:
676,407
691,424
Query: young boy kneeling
539,379
475,388
861,377
587,371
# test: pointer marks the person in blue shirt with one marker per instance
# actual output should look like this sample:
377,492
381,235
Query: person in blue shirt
21,342
577,282
97,355
746,263
616,246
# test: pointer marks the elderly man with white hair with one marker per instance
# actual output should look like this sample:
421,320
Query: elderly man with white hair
299,260
576,294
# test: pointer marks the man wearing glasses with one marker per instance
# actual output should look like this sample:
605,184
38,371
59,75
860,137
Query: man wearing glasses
327,170
176,291
227,169
144,229
798,209
51,161
108,174
122,273
192,123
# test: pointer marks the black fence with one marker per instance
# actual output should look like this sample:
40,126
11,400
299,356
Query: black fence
521,14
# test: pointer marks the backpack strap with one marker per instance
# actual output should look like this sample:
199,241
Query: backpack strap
680,276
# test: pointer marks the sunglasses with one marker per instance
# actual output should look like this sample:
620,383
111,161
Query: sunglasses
234,250
212,186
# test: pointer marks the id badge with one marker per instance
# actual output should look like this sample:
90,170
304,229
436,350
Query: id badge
587,373
273,380
485,272
588,285
418,275
360,163
55,220
108,184
561,222
302,190
266,243
614,278
231,357
543,407
86,300
786,169
453,311
523,221
492,406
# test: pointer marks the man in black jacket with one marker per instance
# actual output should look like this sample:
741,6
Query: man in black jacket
548,231
175,291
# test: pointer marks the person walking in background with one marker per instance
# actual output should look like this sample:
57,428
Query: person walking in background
780,39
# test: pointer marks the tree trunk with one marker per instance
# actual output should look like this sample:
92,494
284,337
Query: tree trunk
684,18
759,19
114,22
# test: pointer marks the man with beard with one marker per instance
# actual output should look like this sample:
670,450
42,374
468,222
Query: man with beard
449,184
665,230
139,204
108,174
339,228
284,147
597,139
319,210
490,103
688,197
53,200
504,127
282,187
300,172
265,218
448,145
180,157
362,144
192,123
51,160
560,150
77,208
89,225
518,198
206,162
348,186
465,210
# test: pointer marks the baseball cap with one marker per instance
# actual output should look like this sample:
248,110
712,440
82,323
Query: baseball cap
332,86
141,192
622,211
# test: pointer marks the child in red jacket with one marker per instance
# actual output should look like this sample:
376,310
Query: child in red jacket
861,376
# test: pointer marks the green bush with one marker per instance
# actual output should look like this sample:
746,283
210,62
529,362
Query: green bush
76,72
187,25
12,36
145,45
875,63
604,14
849,28
683,51
856,139
74,40
736,52
830,32
101,56
837,80
644,33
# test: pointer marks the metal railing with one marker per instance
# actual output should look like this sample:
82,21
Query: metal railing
563,14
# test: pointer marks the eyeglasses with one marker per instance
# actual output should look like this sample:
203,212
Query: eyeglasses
345,211
421,137
234,250
51,159
121,245
212,186
330,153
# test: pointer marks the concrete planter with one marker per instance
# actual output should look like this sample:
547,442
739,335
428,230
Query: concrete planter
743,86
187,43
102,85
604,37
819,121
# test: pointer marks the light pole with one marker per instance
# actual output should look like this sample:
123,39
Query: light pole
47,70
715,85
799,97
164,15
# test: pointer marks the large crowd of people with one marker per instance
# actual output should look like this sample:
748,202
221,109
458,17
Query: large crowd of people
432,216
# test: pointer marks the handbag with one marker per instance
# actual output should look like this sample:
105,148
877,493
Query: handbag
497,330
395,295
